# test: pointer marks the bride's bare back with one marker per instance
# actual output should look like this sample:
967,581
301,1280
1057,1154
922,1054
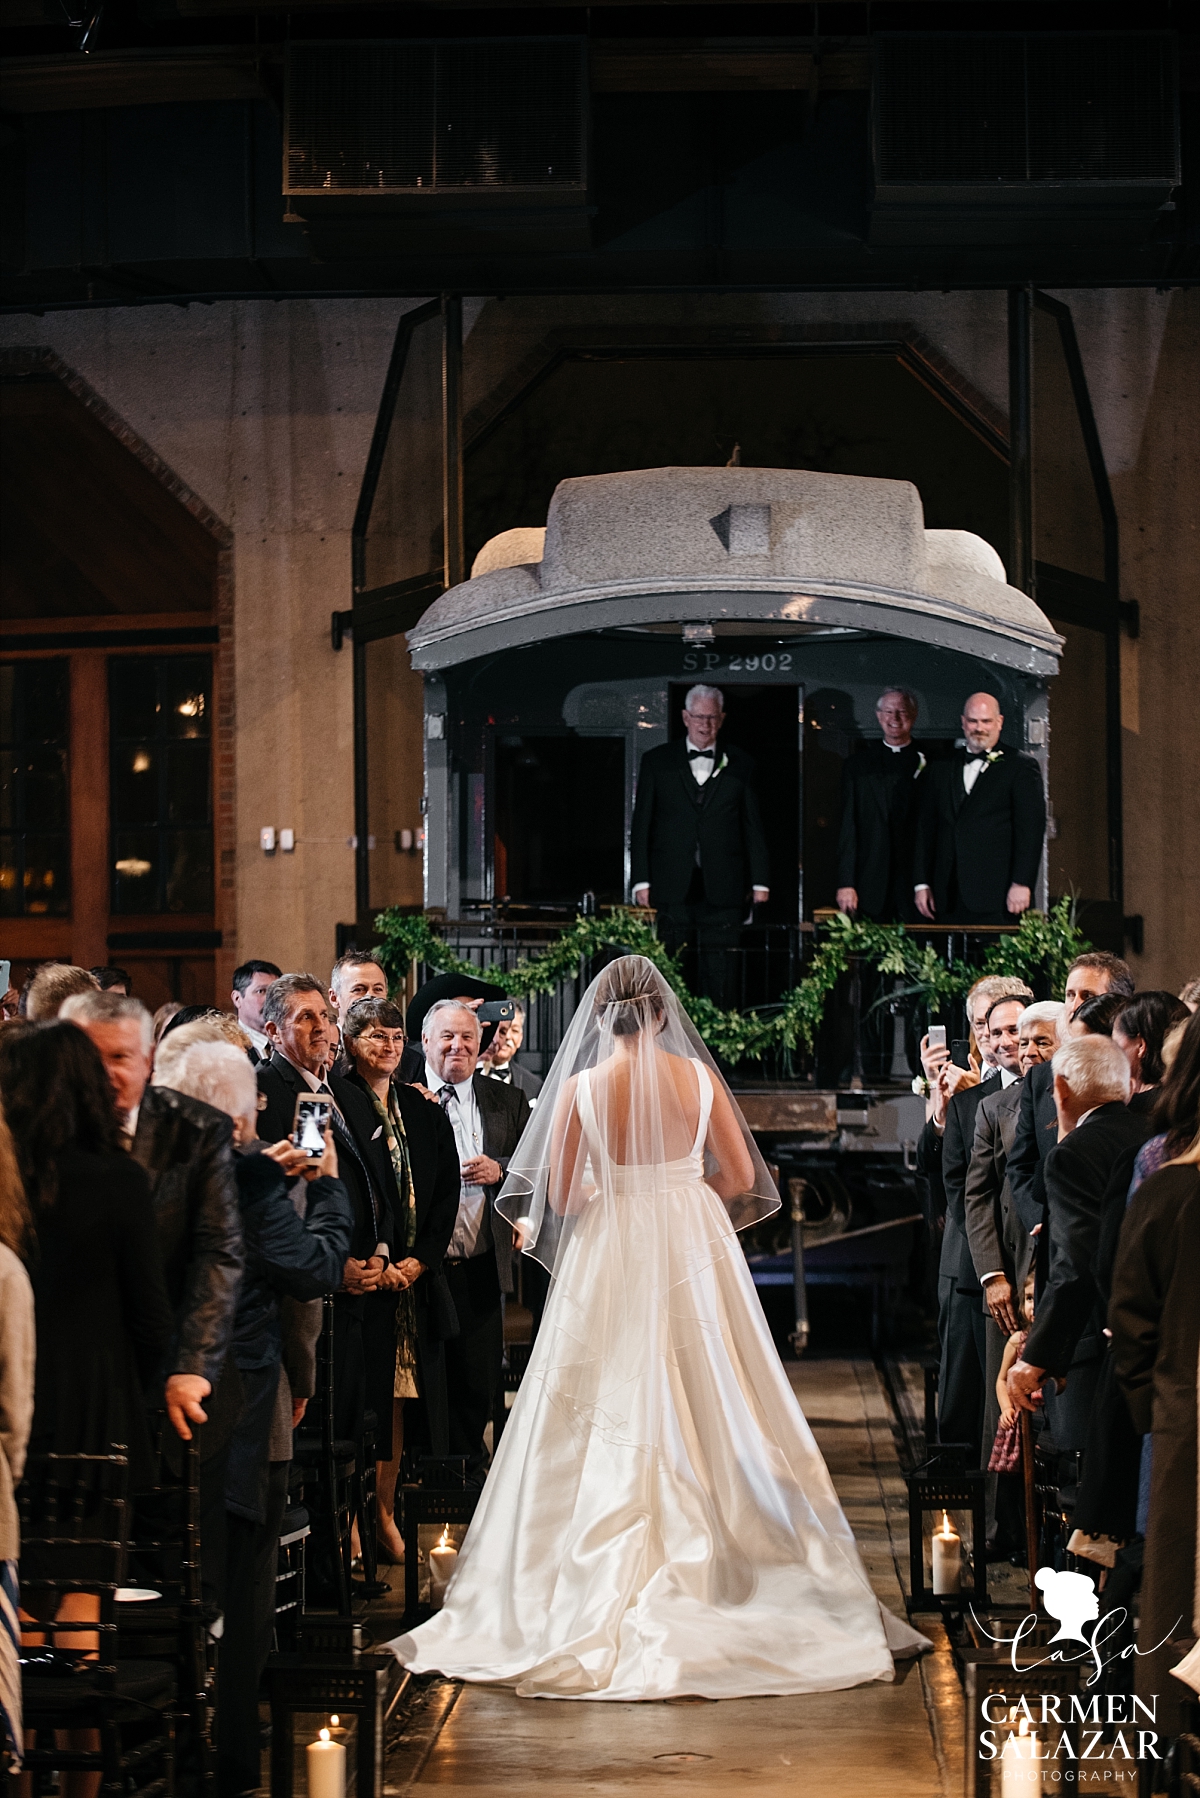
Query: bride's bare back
647,1104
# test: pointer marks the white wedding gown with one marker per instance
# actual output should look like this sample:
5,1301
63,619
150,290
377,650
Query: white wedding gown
658,1520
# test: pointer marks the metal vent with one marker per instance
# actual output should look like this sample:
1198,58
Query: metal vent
1024,107
433,116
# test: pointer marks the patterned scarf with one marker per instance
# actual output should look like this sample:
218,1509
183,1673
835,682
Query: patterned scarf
396,1138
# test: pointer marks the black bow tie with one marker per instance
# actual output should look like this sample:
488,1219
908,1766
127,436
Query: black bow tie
696,754
976,755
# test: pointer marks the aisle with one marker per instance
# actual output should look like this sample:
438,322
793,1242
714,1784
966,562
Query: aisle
902,1740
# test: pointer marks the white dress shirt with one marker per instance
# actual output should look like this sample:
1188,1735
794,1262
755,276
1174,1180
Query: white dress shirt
703,764
261,1041
973,767
465,1121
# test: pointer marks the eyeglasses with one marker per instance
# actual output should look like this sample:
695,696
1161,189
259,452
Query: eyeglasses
387,1039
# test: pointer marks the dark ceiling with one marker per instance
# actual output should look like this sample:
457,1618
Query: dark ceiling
726,146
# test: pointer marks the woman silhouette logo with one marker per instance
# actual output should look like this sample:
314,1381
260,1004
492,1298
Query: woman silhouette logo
1070,1598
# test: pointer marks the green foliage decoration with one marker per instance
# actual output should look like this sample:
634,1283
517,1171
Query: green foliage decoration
1040,950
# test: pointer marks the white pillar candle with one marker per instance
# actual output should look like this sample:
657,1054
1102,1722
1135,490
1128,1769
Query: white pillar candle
1020,1772
442,1561
325,1764
947,1560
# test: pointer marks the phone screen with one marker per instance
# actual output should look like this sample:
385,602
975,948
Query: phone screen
937,1036
5,977
312,1117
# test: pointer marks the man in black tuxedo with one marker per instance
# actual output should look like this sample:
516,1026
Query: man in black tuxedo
980,827
252,981
303,1038
487,1118
1000,1247
697,848
880,790
1089,977
1087,1178
945,1144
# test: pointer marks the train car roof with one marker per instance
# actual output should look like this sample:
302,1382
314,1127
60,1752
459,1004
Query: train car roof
745,551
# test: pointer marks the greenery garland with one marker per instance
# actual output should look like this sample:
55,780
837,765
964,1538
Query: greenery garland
1043,947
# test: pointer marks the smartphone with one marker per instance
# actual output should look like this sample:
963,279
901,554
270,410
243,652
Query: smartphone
311,1122
497,1011
960,1052
5,977
937,1036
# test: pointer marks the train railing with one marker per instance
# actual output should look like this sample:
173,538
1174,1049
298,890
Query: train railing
871,1028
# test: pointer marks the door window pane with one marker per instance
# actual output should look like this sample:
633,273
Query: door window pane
160,711
35,843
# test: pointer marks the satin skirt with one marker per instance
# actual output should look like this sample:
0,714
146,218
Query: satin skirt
658,1521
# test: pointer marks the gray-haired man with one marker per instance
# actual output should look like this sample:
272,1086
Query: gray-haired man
698,848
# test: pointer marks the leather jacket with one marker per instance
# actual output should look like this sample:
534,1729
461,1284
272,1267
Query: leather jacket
185,1148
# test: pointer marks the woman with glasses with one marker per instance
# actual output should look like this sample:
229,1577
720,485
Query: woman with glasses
409,1319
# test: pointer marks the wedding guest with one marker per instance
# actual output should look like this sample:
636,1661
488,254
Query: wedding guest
184,1148
980,827
113,980
104,1323
1190,994
1089,976
487,1119
162,1018
1154,1315
998,1242
1138,1030
405,1328
881,787
944,1151
499,1063
17,1337
303,1036
1087,1177
190,1026
52,984
296,1223
464,989
1176,1114
251,983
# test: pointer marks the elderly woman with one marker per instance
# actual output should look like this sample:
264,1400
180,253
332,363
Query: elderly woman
297,1238
408,1321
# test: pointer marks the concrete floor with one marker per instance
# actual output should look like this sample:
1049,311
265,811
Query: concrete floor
904,1740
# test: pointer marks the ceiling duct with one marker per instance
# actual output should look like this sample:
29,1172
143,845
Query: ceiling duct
389,145
994,138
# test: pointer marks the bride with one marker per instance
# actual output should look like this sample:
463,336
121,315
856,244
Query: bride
658,1520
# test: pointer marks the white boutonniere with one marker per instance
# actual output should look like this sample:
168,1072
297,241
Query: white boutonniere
723,763
993,755
921,766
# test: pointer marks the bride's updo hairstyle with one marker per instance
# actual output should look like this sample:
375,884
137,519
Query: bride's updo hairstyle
629,991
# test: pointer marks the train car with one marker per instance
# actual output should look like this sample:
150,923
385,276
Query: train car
802,595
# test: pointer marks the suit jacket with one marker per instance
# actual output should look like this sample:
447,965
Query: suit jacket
504,1113
979,843
880,792
1035,1135
673,817
433,1158
998,1240
958,1139
185,1148
1086,1173
364,1165
530,1084
1155,1320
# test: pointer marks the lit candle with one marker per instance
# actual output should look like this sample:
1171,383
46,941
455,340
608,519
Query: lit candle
1019,1771
442,1561
947,1560
325,1763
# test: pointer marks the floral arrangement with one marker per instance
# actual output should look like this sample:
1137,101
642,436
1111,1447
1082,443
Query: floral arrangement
1042,948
